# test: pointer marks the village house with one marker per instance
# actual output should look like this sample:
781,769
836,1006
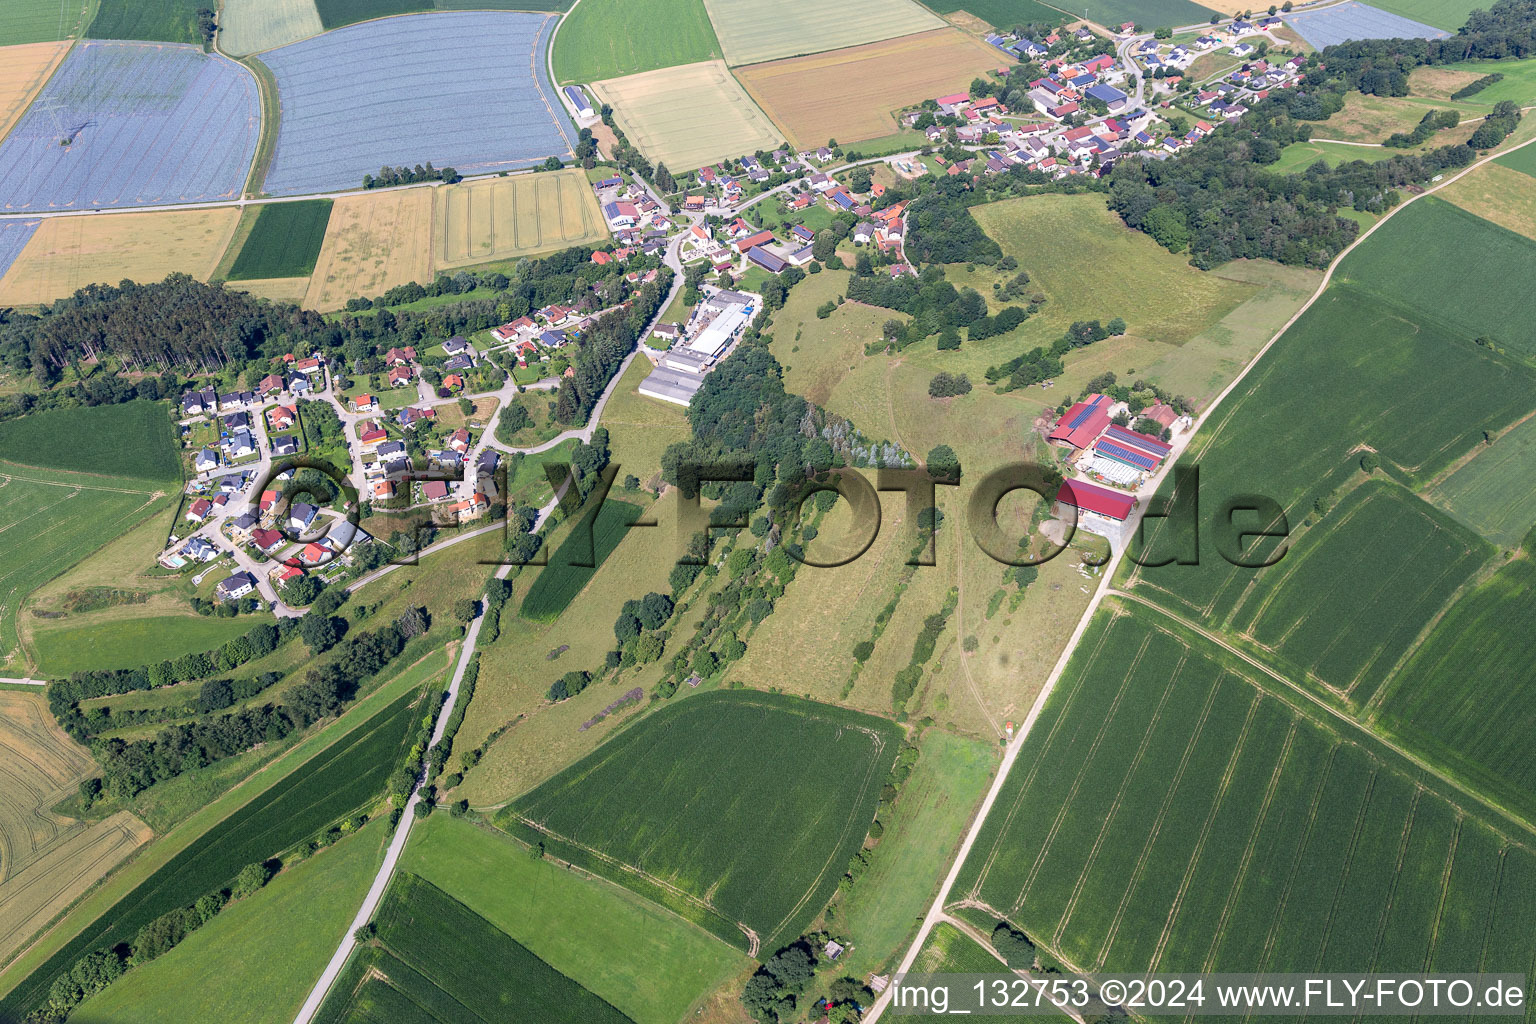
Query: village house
232,588
365,403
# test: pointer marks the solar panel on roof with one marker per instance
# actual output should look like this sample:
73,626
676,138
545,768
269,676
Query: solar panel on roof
1124,454
1082,415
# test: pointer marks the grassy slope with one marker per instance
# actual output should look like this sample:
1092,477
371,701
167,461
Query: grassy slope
611,38
934,806
131,440
207,825
647,962
275,943
130,639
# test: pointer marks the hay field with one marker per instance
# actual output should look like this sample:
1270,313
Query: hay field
751,31
278,289
500,218
68,253
1497,193
374,241
23,70
869,82
686,117
250,26
47,860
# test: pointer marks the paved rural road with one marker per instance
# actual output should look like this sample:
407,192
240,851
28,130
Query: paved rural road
936,913
23,682
471,637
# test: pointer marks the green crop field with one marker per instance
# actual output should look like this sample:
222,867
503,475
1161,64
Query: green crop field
660,808
1447,14
1168,813
54,519
131,440
1003,14
338,781
284,242
1437,262
438,961
284,935
576,561
1339,609
948,950
336,13
612,38
647,962
170,21
1456,698
503,5
1495,493
1311,401
38,21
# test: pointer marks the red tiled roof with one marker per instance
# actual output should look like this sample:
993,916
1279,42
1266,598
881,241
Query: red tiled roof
1083,422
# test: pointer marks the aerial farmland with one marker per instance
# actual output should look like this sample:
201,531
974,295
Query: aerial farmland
133,124
687,116
251,26
461,90
752,32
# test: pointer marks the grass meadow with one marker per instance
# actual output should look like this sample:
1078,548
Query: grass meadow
251,26
1499,193
1298,156
577,559
1211,825
646,961
284,241
438,961
304,798
612,38
640,810
336,13
284,934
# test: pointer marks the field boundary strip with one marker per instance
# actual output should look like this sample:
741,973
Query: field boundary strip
200,823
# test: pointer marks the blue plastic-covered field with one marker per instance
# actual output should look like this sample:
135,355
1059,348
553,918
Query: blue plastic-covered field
1340,24
131,124
462,90
14,236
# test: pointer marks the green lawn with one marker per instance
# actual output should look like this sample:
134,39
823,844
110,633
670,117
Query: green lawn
649,963
604,39
1447,14
37,21
276,943
1519,82
916,850
284,242
1298,156
171,21
129,642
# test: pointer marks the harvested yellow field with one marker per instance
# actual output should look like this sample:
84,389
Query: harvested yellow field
278,289
374,241
1499,194
499,218
23,70
68,253
46,860
868,83
688,116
